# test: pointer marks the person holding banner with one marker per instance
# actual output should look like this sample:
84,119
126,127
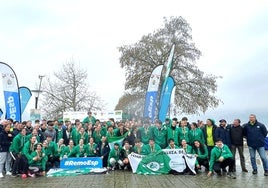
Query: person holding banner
201,153
220,158
80,149
172,144
114,161
68,150
152,147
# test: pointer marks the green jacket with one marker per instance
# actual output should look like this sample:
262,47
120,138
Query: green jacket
79,151
141,150
173,133
149,150
97,135
183,134
92,120
216,153
145,134
196,134
91,150
160,136
176,147
201,155
18,143
67,152
188,150
114,154
51,149
41,163
28,149
84,136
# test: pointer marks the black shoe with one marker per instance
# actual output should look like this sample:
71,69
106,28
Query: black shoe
266,173
231,175
14,175
254,172
244,170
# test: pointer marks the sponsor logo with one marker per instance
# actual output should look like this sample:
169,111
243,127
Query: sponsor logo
150,107
11,107
154,166
81,163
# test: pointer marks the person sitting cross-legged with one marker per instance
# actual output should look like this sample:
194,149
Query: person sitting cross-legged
221,157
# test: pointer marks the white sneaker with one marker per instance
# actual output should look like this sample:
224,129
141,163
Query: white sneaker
8,173
1,175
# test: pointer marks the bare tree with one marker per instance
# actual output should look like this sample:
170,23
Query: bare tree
69,91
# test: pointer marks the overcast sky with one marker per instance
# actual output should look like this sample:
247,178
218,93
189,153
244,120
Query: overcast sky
37,37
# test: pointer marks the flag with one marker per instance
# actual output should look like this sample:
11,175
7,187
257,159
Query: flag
154,163
116,139
11,106
25,95
151,94
168,67
164,106
162,162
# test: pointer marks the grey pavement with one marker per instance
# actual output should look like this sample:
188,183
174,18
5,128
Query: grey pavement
126,179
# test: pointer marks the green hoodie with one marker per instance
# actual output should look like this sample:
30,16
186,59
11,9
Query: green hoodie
41,163
216,153
114,153
18,143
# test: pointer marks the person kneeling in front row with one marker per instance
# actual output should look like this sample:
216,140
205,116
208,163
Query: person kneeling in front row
220,158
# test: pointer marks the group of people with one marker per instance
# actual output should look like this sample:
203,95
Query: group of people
33,149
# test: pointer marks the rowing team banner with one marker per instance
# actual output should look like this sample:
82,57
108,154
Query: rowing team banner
13,99
150,105
162,162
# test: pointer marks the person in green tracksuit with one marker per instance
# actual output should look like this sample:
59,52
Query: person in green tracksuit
201,153
89,119
160,134
114,160
91,148
183,132
145,133
98,133
152,147
79,150
196,134
67,150
139,147
37,163
83,135
220,158
50,148
172,144
173,132
16,151
186,147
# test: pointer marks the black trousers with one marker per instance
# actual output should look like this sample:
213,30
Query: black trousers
203,162
20,164
230,162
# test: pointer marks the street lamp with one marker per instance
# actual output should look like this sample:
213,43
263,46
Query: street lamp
37,92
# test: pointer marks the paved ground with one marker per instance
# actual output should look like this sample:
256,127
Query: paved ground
118,179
